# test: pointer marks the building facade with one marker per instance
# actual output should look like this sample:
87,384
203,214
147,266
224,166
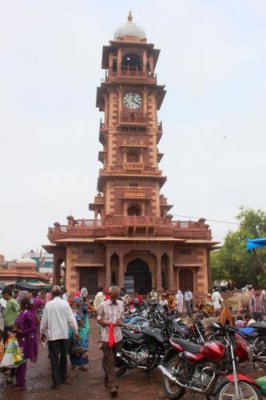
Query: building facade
132,241
44,261
21,270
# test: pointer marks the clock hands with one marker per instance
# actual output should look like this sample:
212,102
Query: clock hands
132,100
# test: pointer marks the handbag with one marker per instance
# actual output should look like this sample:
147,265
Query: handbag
75,349
13,356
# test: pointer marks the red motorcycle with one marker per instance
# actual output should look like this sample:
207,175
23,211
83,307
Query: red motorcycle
208,368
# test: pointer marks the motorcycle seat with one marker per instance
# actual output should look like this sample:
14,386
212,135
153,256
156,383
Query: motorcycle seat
187,346
131,335
260,325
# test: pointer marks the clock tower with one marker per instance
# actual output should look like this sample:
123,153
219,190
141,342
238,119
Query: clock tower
131,241
130,97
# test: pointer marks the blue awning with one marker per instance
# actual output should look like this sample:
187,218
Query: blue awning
255,243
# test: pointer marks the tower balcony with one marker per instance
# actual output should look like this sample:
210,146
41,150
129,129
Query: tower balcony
134,194
130,225
131,73
76,228
133,166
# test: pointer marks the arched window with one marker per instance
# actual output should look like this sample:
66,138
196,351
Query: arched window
133,156
131,61
114,67
113,279
134,209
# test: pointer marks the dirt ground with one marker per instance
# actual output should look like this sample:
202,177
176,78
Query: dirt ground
134,385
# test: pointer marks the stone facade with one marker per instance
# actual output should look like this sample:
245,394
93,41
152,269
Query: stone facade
132,240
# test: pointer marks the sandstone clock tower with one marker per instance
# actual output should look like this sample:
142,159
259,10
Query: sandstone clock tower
132,240
130,97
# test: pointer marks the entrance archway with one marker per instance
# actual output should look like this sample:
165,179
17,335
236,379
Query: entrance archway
138,277
186,280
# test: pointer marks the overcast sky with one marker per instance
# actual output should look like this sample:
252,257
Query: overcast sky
213,63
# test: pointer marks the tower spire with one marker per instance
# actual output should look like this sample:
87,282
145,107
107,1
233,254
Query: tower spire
129,18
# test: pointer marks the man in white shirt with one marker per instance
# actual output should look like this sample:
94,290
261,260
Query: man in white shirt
99,298
56,320
189,301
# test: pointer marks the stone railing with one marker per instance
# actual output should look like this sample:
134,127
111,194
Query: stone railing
117,225
130,73
133,165
134,194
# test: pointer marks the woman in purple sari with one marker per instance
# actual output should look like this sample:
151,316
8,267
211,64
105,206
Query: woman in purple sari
26,332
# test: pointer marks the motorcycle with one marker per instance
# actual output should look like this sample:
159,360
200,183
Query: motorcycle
144,348
255,335
208,368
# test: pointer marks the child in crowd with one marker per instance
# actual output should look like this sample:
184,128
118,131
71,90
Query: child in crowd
79,346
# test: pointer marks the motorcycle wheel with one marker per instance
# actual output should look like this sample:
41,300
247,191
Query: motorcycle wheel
247,391
259,347
171,389
120,368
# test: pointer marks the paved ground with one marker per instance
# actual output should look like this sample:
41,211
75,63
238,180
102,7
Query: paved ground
134,385
86,385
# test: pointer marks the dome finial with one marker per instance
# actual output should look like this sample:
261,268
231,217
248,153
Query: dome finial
129,18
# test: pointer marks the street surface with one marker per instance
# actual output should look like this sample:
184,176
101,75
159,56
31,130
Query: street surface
134,385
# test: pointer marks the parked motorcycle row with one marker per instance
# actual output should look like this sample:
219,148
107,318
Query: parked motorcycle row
190,357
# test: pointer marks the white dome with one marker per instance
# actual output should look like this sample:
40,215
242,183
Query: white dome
130,29
26,260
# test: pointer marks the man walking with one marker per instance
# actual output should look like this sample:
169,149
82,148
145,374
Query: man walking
56,320
99,298
110,315
189,301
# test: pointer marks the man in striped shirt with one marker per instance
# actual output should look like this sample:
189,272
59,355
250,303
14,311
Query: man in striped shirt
110,315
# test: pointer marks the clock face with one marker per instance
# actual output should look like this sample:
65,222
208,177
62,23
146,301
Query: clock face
132,100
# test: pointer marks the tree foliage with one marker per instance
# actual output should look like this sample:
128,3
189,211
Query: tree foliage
232,262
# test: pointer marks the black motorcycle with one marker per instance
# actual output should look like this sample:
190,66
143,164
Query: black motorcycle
144,348
255,335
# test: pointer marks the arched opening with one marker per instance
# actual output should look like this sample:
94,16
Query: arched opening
133,156
113,279
186,280
88,277
59,274
114,268
138,277
134,209
131,62
114,66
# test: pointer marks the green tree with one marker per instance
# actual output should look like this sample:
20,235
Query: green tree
232,262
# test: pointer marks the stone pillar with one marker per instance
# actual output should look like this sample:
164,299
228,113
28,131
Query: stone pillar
108,269
171,271
121,277
158,280
56,271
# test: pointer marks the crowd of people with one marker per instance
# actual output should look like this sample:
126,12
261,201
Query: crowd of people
61,321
